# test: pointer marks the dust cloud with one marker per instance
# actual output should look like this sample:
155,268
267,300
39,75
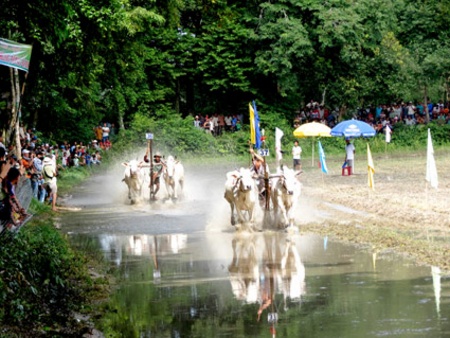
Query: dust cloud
202,201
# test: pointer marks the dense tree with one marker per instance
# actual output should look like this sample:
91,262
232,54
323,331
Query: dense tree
111,59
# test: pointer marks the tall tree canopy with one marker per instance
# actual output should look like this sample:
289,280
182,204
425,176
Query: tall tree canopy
108,60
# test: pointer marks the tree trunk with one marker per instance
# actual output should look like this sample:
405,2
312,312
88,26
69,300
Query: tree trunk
446,90
177,96
342,112
12,135
121,125
35,118
425,102
323,96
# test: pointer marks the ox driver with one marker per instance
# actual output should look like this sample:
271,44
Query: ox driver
261,171
158,167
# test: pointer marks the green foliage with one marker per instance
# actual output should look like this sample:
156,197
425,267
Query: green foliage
42,281
171,132
68,178
112,60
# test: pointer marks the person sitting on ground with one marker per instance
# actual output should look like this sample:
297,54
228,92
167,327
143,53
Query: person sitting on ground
97,158
158,167
82,160
76,161
12,209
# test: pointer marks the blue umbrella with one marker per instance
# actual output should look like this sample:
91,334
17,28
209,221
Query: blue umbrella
353,128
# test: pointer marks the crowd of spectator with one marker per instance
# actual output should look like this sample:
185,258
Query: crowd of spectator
379,116
217,124
41,162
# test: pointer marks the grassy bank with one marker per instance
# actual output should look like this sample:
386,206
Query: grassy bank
45,285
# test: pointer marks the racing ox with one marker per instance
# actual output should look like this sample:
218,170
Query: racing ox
286,190
133,178
242,194
173,177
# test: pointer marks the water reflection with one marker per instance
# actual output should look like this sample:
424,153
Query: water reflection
263,266
244,270
266,285
113,247
436,275
182,272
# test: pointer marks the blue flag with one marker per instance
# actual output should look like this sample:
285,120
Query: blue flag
255,133
323,164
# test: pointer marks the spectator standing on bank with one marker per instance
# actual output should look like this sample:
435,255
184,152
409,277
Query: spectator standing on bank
349,155
221,124
12,209
50,181
296,156
228,123
105,130
196,122
98,133
36,176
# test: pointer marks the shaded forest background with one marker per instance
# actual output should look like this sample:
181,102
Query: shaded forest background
151,64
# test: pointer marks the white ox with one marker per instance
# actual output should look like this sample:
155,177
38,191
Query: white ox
286,190
173,177
133,178
242,194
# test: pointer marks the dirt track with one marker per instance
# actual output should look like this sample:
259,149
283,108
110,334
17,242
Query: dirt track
403,213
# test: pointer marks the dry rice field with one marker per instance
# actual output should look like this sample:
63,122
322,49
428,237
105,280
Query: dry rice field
403,213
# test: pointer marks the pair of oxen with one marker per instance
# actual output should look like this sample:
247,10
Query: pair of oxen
242,193
134,178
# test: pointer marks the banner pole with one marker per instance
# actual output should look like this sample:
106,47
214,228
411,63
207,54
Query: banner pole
151,169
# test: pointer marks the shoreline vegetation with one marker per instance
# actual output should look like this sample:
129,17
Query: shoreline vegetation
48,288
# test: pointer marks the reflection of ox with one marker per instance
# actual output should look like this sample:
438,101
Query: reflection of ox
173,177
293,272
286,191
133,178
244,270
241,193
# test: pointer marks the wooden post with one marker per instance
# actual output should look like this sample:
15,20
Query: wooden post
150,151
266,184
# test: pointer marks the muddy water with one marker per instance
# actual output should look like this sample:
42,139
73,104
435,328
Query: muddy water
183,271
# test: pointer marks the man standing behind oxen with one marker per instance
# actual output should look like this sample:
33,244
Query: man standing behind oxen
158,167
258,169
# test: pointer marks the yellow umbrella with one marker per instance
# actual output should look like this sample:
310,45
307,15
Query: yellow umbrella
312,129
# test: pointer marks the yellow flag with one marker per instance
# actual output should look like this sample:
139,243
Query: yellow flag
252,124
370,168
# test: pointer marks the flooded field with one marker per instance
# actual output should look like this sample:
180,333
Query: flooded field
184,271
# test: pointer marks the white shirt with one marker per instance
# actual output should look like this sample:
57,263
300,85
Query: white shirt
349,151
296,152
105,131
